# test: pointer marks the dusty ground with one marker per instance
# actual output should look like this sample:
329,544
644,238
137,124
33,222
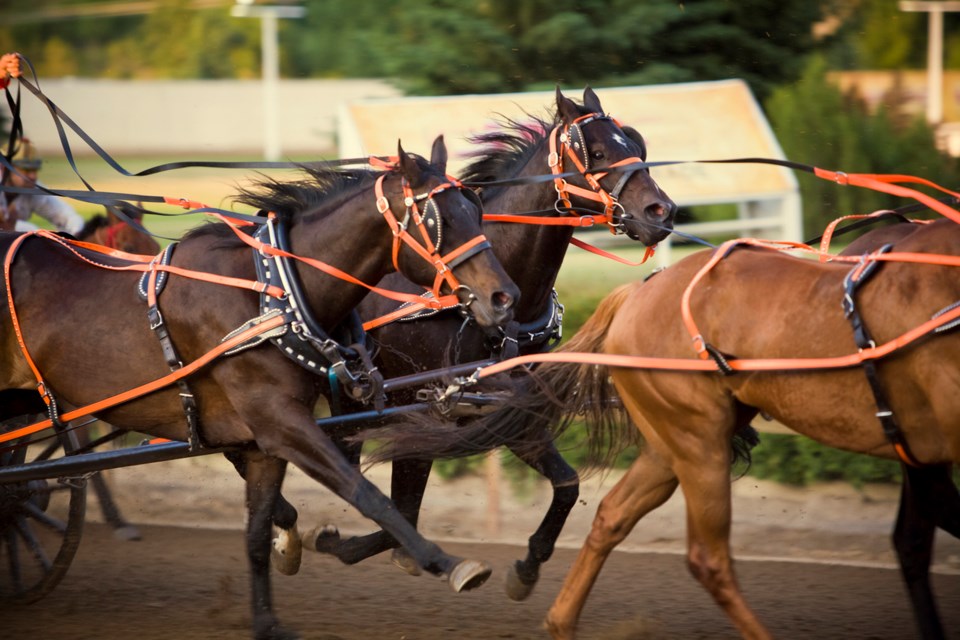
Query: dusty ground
190,581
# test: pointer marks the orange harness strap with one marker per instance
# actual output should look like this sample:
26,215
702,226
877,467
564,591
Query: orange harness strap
571,221
756,364
605,254
228,344
888,184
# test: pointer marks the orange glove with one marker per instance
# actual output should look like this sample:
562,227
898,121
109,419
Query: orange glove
9,67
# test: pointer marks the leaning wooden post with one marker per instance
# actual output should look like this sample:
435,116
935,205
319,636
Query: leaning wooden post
493,473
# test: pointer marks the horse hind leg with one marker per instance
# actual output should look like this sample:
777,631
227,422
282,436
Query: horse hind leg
122,530
523,575
647,484
928,499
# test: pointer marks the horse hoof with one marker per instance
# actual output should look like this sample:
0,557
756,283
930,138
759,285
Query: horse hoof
402,559
517,589
127,533
469,574
321,539
287,552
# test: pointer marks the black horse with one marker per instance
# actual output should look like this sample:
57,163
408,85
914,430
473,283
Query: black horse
532,254
72,312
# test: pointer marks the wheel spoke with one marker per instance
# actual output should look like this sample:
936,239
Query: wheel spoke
54,524
13,558
34,546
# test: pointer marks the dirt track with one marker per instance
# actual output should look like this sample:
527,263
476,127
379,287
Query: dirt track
190,582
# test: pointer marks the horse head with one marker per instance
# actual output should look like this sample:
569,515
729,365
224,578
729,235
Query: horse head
448,218
593,141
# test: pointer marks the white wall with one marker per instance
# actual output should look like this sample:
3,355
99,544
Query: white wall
194,118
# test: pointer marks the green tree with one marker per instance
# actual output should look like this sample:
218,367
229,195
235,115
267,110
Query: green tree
817,125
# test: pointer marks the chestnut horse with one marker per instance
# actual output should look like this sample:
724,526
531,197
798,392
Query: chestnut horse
113,231
77,322
755,303
532,255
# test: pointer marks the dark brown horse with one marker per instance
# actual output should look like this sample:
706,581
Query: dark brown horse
532,255
78,325
112,231
754,304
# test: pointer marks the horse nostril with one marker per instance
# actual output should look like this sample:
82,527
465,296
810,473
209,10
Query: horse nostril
502,300
655,210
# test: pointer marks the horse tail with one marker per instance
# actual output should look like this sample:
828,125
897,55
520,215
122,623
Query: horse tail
543,403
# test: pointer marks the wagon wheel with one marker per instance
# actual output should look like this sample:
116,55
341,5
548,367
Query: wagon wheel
40,524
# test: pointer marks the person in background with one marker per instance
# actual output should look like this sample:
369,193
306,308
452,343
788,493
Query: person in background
16,208
9,68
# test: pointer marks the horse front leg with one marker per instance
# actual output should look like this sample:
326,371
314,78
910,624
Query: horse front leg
316,454
705,479
287,548
647,484
523,574
928,498
408,484
264,475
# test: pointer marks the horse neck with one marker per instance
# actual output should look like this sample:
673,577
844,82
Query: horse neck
351,241
531,254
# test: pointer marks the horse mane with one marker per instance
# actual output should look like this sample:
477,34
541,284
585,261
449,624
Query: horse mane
296,199
90,226
503,153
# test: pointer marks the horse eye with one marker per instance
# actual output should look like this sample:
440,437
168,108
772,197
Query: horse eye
596,155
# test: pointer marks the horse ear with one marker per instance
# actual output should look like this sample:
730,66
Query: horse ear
566,108
408,166
591,101
634,135
438,154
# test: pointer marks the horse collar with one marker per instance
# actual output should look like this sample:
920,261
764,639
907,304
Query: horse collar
303,340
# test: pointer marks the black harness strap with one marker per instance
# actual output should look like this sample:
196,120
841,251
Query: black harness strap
187,399
888,421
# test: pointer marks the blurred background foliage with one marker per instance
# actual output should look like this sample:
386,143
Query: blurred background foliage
468,46
784,50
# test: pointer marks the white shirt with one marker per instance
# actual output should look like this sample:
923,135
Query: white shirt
51,208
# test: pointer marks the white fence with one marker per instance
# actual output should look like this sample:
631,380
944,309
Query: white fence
194,117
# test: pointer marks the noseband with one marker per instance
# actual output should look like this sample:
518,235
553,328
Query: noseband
573,145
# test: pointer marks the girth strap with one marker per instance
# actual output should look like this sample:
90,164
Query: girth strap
888,421
187,400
